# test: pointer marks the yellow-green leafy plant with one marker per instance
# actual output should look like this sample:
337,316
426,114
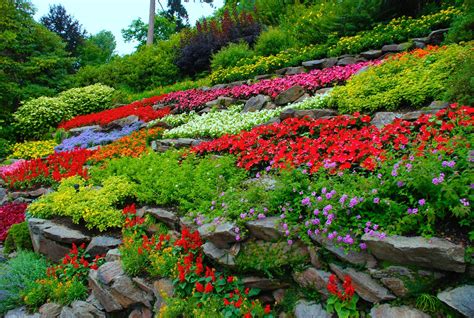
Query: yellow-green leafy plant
33,149
98,207
412,80
88,99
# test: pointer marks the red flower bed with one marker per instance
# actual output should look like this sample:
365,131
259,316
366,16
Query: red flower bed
10,213
338,143
48,171
143,109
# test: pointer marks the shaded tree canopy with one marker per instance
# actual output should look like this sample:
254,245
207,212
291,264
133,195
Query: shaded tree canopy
97,49
33,60
70,30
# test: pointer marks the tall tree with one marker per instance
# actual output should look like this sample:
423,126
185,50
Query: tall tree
151,23
33,60
63,24
138,30
97,49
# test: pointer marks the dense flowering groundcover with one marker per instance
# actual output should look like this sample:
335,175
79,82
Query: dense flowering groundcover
347,171
200,290
143,109
90,138
231,121
48,171
128,146
33,149
312,81
338,143
10,213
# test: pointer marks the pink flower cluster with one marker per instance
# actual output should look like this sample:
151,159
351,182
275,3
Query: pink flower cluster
312,81
10,169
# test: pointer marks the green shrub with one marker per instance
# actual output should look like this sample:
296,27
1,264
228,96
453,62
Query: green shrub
460,85
18,276
273,41
409,81
462,28
272,259
89,99
97,207
148,67
396,31
229,56
6,147
37,116
163,179
18,238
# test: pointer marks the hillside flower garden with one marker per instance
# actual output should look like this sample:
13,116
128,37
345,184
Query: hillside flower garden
340,188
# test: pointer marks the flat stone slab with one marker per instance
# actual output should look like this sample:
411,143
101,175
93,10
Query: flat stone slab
100,245
387,311
167,217
460,298
365,286
307,309
267,229
60,233
222,235
220,256
431,253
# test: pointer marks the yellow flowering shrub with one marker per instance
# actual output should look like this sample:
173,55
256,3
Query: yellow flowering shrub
33,149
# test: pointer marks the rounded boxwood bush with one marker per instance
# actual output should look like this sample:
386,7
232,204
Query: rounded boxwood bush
230,55
273,41
89,99
37,116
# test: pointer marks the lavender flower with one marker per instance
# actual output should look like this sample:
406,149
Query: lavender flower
422,202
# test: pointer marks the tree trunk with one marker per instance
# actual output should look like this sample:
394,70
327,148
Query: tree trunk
151,23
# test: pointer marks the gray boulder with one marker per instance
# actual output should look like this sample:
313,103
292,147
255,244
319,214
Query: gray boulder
267,229
219,256
222,235
310,309
256,103
314,279
100,245
460,298
430,253
290,95
366,287
169,218
381,119
387,311
397,48
371,54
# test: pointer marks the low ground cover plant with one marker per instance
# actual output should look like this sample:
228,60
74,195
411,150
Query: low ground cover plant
33,149
10,214
142,108
195,98
230,121
91,138
128,146
65,282
45,172
99,207
18,276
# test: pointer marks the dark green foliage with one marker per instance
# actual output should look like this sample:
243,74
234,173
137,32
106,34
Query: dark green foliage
273,41
230,55
58,21
18,238
272,259
33,61
147,68
460,85
18,276
138,30
97,49
462,28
